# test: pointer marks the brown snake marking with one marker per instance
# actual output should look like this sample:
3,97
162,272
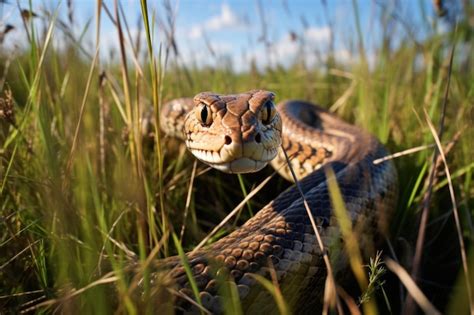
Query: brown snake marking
280,234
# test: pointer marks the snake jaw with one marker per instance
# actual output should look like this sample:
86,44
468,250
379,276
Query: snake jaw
227,161
242,165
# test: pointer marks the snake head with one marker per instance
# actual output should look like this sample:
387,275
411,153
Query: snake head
238,133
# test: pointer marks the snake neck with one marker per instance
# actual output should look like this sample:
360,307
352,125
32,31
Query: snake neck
312,137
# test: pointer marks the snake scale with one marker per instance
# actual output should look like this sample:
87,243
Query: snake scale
242,133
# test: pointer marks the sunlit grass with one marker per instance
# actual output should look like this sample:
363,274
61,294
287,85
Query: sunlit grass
82,194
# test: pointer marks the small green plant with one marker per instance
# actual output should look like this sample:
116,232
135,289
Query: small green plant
376,271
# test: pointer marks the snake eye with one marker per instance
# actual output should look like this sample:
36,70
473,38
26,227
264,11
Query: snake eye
267,112
203,114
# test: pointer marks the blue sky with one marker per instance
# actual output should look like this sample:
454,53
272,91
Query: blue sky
207,31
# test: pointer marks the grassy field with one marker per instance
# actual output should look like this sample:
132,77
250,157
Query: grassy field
82,192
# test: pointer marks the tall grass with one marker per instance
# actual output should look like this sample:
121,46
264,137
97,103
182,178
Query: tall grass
83,192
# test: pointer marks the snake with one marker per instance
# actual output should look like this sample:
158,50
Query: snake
242,133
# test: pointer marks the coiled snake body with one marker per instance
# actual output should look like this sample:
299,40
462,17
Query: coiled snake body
242,133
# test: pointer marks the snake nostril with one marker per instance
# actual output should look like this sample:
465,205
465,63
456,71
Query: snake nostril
258,138
228,140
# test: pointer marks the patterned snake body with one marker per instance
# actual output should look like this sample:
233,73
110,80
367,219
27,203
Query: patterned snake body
280,235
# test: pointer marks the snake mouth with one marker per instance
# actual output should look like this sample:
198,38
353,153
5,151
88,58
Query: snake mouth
240,164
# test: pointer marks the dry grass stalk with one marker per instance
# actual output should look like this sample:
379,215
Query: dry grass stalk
412,288
330,289
409,307
455,213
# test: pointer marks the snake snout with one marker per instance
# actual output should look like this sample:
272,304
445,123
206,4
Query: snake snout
242,152
257,139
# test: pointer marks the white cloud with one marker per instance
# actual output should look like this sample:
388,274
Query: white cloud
312,45
227,19
317,34
287,47
204,57
196,32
